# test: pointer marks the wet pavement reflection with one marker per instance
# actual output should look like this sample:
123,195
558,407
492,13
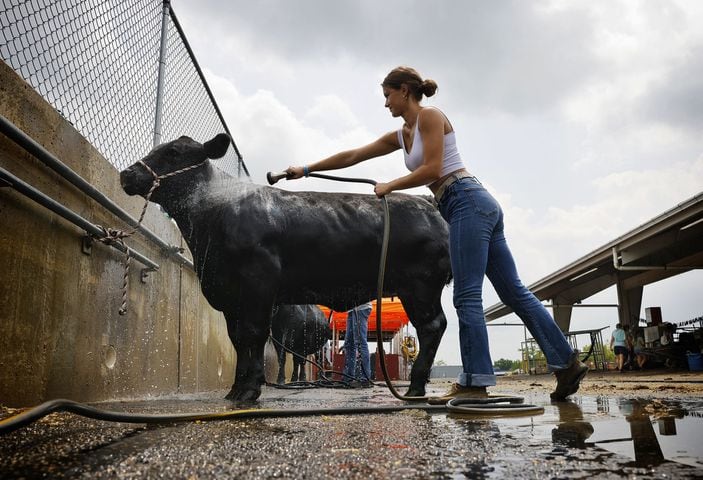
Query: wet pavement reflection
586,437
659,431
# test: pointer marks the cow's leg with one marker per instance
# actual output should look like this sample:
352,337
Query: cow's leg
294,375
281,354
301,371
242,359
429,321
249,339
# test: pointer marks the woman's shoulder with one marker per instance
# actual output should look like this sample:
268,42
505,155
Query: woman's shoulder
431,116
431,112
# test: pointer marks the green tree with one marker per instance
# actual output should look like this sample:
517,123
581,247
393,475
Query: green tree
608,353
506,365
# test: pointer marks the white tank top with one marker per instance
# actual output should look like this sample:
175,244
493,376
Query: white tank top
451,160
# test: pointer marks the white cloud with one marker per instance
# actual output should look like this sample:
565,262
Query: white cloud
330,114
644,104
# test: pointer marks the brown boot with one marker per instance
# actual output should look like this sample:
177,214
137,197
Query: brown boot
459,391
568,379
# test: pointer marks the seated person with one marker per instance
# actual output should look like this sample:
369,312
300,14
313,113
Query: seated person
640,356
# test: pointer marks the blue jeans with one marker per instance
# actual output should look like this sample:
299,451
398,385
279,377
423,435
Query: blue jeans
477,246
355,341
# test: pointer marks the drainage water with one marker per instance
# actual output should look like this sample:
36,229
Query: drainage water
643,432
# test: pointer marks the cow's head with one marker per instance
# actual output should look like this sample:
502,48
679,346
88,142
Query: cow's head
168,158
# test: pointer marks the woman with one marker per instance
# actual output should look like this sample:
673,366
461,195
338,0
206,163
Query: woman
477,243
618,342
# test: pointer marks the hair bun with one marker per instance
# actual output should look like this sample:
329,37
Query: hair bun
418,87
428,87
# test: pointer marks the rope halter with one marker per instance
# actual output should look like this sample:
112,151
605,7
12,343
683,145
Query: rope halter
111,235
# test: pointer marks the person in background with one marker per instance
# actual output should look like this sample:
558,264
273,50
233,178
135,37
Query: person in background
667,337
618,343
356,347
638,346
477,243
629,363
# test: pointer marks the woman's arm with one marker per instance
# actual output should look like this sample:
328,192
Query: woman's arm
432,132
383,146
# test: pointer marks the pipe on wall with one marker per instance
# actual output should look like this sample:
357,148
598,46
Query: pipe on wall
37,150
29,191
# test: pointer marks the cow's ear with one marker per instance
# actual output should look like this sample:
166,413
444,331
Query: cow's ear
217,147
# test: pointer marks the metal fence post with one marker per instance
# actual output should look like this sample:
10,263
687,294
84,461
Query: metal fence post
162,68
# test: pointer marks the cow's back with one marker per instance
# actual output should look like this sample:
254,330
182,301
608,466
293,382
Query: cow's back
333,244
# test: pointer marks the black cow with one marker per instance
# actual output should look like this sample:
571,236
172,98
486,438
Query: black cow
302,329
255,247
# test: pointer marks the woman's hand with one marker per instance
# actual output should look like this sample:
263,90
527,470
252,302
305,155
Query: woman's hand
382,189
293,173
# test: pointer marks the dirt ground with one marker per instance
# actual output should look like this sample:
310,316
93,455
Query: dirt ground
642,383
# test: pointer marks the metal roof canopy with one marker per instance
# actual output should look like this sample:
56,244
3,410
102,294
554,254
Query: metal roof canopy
667,245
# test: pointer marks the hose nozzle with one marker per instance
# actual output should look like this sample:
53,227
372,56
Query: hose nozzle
272,177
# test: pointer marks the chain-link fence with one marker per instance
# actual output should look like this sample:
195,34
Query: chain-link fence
97,63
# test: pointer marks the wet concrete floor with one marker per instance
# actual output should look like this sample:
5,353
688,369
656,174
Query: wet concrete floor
590,436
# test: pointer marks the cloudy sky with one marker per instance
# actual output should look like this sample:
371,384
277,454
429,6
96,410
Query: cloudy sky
584,118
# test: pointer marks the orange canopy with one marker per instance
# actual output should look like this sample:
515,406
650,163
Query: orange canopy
393,317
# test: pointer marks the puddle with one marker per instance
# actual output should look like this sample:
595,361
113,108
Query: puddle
648,432
651,433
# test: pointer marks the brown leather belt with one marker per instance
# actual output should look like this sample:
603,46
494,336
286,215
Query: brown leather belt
448,181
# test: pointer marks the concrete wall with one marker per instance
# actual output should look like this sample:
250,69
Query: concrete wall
60,331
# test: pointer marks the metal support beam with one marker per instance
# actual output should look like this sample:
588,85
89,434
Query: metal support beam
647,277
562,315
630,301
618,264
